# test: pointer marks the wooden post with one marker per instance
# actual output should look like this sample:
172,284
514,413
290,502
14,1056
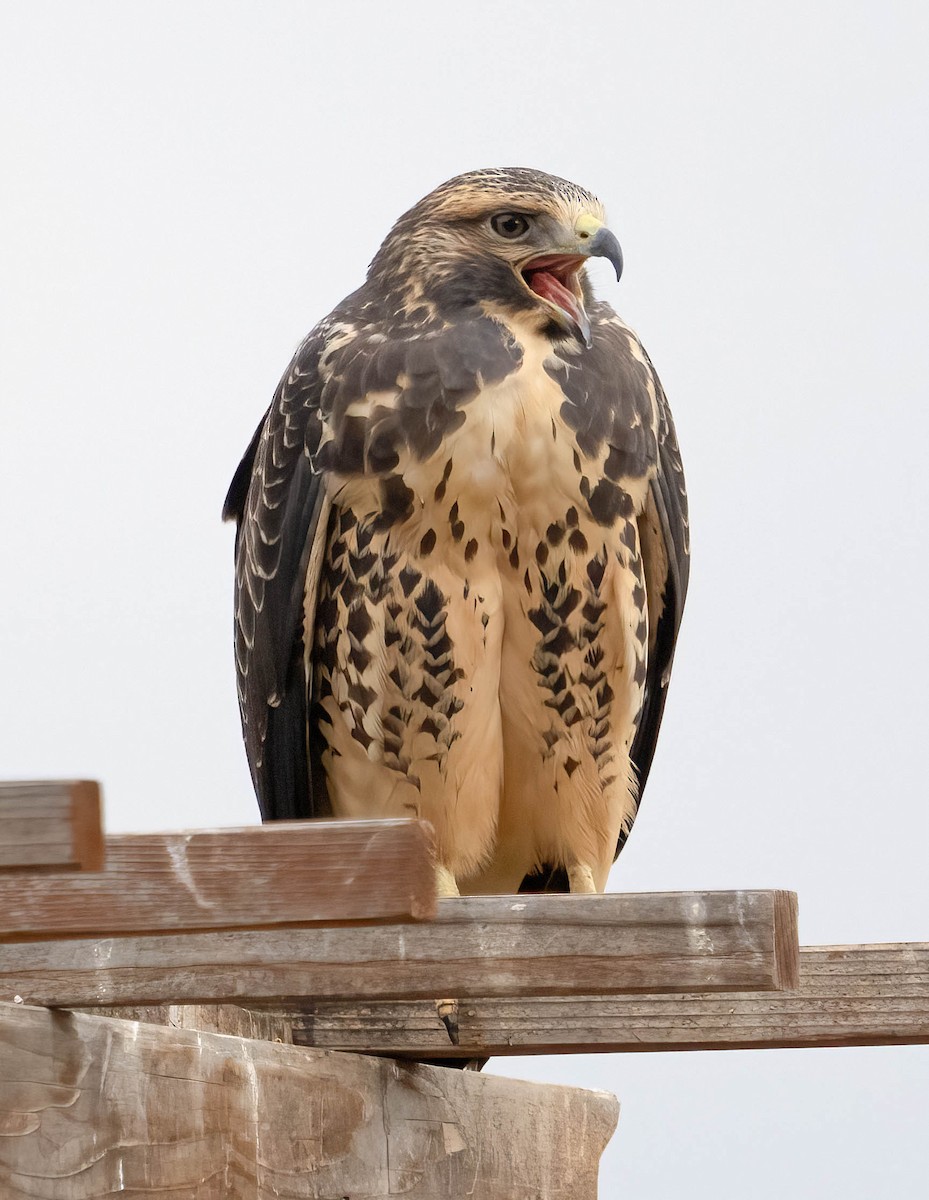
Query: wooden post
92,1106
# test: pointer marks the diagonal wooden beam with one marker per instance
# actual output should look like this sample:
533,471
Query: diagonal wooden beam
477,946
848,996
260,876
53,826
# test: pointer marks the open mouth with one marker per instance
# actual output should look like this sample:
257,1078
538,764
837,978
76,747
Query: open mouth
554,278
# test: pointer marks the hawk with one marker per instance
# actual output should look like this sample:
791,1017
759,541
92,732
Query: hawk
462,547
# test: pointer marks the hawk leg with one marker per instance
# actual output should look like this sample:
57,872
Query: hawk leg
581,879
446,884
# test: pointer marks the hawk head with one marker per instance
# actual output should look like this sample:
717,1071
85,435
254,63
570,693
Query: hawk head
497,242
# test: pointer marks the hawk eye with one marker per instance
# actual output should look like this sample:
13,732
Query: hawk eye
509,225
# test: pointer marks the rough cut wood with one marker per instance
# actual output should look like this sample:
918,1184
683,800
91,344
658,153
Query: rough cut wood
264,875
51,825
479,946
848,996
91,1107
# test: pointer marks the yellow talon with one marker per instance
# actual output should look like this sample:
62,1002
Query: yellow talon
446,885
581,879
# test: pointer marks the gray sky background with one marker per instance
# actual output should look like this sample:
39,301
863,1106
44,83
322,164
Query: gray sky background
187,188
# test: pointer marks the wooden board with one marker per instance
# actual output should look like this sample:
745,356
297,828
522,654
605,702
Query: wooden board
55,825
260,876
848,996
92,1107
478,946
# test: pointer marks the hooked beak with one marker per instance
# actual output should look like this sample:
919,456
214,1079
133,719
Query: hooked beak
603,244
555,278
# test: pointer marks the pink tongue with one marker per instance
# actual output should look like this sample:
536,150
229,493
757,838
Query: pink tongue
551,289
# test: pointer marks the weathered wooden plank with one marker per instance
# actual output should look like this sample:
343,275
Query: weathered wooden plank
51,825
91,1106
848,996
260,876
477,946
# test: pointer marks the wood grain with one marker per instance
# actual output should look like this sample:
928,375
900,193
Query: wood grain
52,825
848,996
260,876
478,946
93,1107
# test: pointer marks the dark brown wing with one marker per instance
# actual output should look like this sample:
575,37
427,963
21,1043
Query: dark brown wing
665,538
276,499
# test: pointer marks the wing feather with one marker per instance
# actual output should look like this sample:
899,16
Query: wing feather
665,538
276,498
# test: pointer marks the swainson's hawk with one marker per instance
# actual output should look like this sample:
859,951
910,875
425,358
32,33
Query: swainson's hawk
462,546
